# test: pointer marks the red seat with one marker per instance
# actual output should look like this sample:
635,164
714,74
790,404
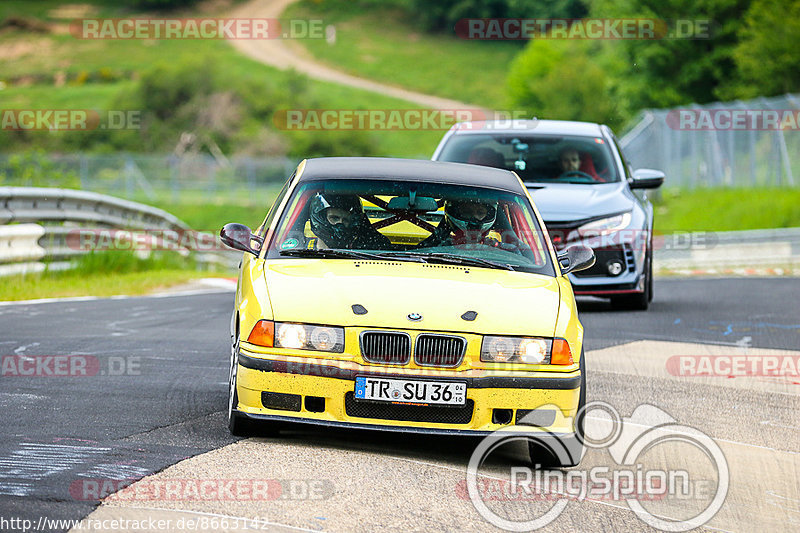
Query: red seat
587,166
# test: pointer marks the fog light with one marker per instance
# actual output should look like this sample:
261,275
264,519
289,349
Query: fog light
614,268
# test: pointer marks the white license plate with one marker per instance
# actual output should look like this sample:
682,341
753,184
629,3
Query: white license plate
410,391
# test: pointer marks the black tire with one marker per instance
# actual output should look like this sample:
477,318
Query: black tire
563,452
640,301
237,424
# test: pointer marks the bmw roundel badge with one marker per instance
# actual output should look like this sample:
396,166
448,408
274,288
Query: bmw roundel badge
414,317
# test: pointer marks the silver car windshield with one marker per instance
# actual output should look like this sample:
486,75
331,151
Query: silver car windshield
537,158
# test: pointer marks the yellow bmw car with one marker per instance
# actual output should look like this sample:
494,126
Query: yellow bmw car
405,295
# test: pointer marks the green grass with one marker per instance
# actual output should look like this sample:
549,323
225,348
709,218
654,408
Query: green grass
211,217
65,284
727,209
106,273
98,71
382,44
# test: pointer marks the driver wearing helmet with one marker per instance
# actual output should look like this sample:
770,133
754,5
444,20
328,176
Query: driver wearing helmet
465,222
339,221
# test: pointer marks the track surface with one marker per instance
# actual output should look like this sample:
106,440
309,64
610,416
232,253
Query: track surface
167,405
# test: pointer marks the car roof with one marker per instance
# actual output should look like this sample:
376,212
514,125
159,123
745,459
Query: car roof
423,170
535,127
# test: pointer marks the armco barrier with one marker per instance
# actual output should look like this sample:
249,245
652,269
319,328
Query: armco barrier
734,249
43,217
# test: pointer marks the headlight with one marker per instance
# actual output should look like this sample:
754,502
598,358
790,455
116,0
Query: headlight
530,350
516,350
605,225
299,336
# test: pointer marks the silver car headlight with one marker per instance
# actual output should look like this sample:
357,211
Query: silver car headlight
605,225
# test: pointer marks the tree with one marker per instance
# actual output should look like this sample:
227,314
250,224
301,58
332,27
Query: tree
442,15
674,70
559,79
768,53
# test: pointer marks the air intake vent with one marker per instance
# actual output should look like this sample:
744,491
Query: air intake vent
630,260
388,347
411,413
439,350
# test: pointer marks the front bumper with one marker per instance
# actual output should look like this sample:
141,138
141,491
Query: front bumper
320,392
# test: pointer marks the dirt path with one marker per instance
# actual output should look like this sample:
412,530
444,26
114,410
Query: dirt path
281,54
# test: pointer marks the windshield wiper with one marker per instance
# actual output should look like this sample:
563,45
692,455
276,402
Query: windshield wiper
336,253
455,259
330,253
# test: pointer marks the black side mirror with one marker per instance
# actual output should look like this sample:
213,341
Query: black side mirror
238,237
647,178
576,258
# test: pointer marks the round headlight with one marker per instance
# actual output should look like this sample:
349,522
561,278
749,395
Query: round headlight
502,349
323,339
291,336
532,351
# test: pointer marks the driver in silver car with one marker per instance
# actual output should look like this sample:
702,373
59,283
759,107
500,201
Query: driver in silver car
570,160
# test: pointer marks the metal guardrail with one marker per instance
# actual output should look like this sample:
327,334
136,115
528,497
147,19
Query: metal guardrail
35,224
729,249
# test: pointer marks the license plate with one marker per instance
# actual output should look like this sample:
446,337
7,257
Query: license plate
411,391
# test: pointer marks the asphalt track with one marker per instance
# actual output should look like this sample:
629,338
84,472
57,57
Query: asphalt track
159,390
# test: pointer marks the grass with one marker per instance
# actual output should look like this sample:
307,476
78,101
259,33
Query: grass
381,44
211,217
98,71
106,273
66,284
727,209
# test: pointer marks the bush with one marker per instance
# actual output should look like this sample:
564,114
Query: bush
442,15
562,79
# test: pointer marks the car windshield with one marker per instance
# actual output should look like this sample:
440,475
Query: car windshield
537,158
411,221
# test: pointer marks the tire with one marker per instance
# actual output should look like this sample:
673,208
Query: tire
238,424
563,452
640,301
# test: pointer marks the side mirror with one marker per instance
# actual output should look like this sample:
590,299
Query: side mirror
647,178
576,258
238,237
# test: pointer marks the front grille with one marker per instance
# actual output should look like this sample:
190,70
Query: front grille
389,347
439,350
408,413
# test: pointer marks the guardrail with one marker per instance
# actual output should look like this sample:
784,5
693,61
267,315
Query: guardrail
731,249
35,225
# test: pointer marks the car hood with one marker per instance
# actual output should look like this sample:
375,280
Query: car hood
564,202
319,291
